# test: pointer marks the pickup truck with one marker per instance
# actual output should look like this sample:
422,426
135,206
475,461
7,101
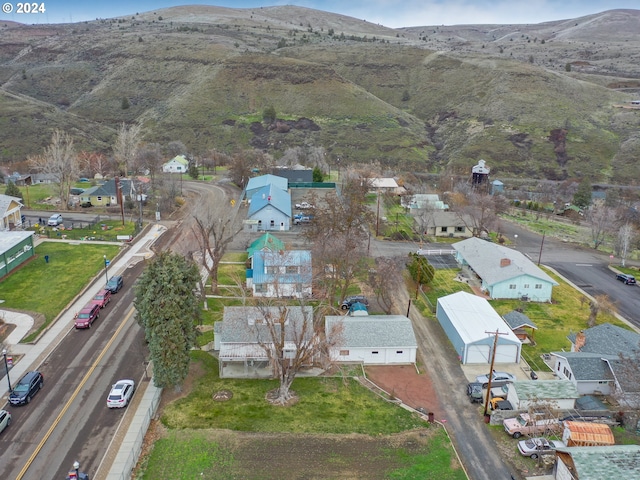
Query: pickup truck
523,424
304,206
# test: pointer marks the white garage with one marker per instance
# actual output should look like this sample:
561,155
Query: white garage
471,323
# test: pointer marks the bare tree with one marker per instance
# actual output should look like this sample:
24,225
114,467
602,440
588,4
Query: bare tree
214,233
601,219
59,159
626,236
126,146
478,211
175,148
388,271
93,163
149,158
600,304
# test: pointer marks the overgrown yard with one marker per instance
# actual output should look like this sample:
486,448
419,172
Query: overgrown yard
47,288
338,429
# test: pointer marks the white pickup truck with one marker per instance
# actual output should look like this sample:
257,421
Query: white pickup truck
523,424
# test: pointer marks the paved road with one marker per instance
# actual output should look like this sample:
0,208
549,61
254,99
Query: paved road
85,428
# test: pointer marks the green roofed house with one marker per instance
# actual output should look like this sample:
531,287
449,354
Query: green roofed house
596,463
16,247
178,164
561,393
266,242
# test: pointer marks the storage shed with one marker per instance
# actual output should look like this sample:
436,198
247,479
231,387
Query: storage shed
587,434
470,322
560,394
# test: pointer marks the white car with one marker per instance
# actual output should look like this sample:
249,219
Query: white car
121,393
534,447
497,380
304,206
55,220
5,419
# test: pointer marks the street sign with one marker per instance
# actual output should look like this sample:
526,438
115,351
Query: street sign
107,262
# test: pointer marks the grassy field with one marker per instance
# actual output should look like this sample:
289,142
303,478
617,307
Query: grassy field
47,288
336,423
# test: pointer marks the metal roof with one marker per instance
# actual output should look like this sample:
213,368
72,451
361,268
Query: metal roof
545,389
270,195
597,463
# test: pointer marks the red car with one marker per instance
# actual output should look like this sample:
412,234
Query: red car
102,298
86,316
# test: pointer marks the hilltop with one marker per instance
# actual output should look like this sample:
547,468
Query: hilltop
542,101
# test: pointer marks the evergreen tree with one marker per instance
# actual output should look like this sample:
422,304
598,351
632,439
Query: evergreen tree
269,114
582,197
13,191
317,175
420,269
168,311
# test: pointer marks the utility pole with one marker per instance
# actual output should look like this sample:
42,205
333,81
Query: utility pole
378,215
493,359
541,245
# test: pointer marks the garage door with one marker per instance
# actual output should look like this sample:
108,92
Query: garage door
477,354
507,354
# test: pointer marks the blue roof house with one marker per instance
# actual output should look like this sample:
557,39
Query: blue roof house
270,209
257,183
505,273
280,274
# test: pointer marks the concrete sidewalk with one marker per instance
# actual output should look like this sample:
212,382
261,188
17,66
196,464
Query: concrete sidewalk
27,357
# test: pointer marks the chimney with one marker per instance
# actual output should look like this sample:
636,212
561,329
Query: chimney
581,339
505,262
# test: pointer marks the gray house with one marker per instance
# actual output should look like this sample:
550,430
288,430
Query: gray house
439,223
505,273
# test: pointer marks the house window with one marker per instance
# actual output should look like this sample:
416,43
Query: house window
271,270
538,286
272,224
512,286
298,287
526,285
344,353
259,287
292,269
375,352
459,229
99,199
443,229
567,373
259,224
399,352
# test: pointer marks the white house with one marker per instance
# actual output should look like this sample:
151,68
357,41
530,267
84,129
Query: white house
505,273
178,164
10,212
372,339
242,338
557,394
281,273
471,323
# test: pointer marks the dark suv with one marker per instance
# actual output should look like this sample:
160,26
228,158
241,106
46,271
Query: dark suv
114,284
26,388
346,304
628,279
474,390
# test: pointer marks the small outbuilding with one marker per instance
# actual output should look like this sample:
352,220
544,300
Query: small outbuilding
471,324
561,394
372,339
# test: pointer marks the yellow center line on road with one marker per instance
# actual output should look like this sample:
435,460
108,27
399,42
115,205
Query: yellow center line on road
73,396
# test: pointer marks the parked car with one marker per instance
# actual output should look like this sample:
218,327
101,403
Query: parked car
55,220
76,191
474,391
534,447
347,302
304,206
114,284
102,298
497,380
120,394
5,420
86,204
300,219
500,403
26,388
89,313
627,279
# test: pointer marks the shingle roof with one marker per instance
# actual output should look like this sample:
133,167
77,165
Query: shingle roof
588,366
236,323
517,319
439,218
608,339
375,331
613,461
270,195
485,259
545,389
5,203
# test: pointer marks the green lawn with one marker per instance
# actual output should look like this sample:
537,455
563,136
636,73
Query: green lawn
106,230
47,288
